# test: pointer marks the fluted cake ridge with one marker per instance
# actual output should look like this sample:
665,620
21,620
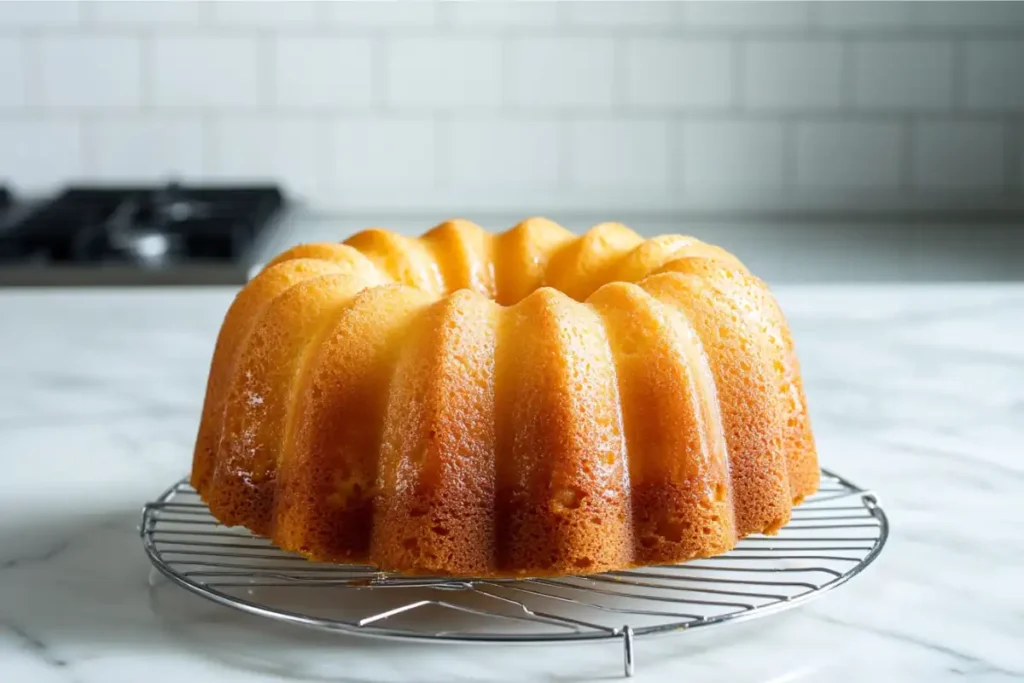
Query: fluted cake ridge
525,403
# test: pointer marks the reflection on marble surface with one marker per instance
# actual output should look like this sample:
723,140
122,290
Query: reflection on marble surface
915,391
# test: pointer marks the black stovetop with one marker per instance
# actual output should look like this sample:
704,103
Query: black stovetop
153,231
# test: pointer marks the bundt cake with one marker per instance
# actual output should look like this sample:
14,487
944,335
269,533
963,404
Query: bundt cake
527,403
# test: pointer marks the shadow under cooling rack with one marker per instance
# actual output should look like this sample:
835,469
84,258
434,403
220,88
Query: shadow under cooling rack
832,537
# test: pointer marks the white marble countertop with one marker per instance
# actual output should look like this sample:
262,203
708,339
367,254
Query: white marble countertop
915,391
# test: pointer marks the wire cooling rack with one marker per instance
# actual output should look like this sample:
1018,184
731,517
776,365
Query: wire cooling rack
832,537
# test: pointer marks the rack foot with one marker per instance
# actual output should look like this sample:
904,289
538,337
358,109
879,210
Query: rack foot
627,650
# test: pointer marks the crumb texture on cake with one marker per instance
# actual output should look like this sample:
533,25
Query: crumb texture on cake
532,402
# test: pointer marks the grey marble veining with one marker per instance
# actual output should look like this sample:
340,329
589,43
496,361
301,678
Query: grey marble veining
916,391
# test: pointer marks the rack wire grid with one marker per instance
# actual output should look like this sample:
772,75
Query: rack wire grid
831,537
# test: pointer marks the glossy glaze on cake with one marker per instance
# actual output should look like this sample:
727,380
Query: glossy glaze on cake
527,403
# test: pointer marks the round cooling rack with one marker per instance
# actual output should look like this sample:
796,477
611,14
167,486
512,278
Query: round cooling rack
831,538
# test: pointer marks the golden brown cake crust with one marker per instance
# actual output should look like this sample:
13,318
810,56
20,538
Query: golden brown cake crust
523,404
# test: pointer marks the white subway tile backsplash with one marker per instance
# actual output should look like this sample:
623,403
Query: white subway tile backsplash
908,75
848,154
501,14
619,13
723,154
562,72
290,150
959,155
496,154
90,71
385,156
322,72
619,154
444,72
747,15
143,13
12,73
797,74
270,13
39,155
130,150
670,73
863,14
39,13
639,103
202,71
387,13
995,74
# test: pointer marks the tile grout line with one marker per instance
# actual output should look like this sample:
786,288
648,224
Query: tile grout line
32,54
848,76
958,71
738,53
328,161
357,111
218,29
207,122
509,50
677,135
566,153
380,80
1013,157
442,151
908,128
620,75
266,73
146,70
789,156
87,152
